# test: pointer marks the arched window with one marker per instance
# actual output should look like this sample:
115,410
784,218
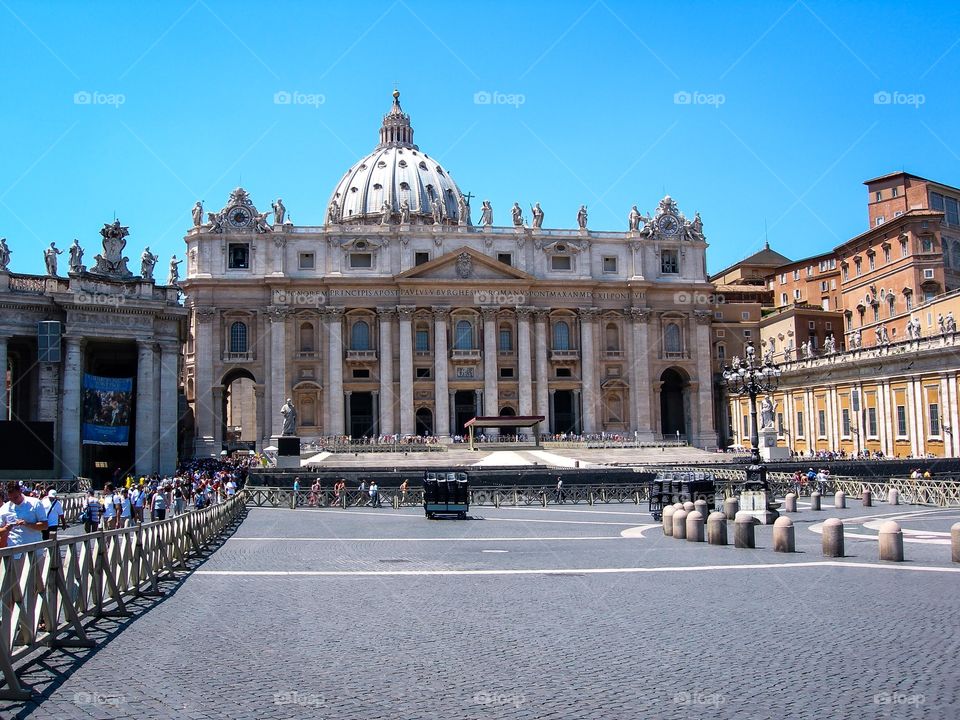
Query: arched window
238,337
506,338
561,335
306,338
360,336
612,337
463,339
671,338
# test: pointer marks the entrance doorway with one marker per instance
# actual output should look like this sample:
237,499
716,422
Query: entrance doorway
564,415
361,415
465,407
672,411
424,422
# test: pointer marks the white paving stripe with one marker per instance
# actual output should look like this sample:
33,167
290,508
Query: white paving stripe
433,539
568,571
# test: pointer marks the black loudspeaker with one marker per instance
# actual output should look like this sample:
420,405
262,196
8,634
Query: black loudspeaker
287,446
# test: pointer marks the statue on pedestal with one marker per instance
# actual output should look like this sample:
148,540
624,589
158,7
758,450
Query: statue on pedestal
112,262
463,211
582,217
537,215
404,212
4,255
197,213
289,413
767,409
633,219
279,212
517,214
147,262
333,213
385,213
950,323
174,277
50,258
486,214
76,257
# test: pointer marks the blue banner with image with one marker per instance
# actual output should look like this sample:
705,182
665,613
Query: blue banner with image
106,410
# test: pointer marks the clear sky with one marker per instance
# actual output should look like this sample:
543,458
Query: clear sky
750,113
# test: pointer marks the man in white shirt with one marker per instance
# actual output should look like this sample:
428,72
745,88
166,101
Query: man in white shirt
231,488
53,509
21,517
126,509
109,509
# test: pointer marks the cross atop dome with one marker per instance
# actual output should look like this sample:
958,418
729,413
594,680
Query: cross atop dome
396,130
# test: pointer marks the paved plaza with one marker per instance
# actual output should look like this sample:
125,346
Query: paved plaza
557,612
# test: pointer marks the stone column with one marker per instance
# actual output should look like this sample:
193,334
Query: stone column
550,412
656,386
524,371
640,375
386,403
218,422
70,447
375,395
260,400
145,442
578,412
4,408
204,352
441,387
588,378
706,432
544,398
278,365
169,400
452,408
478,402
345,404
954,411
491,398
407,420
335,369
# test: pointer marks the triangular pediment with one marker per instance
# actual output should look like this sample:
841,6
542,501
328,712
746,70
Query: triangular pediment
466,264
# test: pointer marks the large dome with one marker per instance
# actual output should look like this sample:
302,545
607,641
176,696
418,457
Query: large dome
397,173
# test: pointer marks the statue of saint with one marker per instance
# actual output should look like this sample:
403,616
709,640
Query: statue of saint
766,413
279,212
404,212
884,335
260,223
385,213
437,208
950,322
634,219
537,215
486,214
197,213
582,217
517,213
4,255
50,258
76,257
333,213
289,413
463,210
941,323
174,277
147,262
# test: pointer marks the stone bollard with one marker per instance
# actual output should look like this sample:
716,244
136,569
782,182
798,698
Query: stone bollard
668,512
784,539
790,503
695,527
891,541
832,537
717,528
701,507
893,496
689,506
680,525
867,498
743,532
815,500
955,542
730,507
840,500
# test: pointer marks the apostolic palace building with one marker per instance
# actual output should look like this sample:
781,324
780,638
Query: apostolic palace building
401,315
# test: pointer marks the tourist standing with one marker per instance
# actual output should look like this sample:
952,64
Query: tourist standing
92,513
126,509
23,518
560,490
160,505
374,494
54,512
109,508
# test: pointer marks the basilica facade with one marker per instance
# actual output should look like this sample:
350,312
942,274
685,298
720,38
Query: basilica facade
400,316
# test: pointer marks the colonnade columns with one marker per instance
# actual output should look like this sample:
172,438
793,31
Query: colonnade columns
656,386
260,402
524,374
202,388
640,375
70,448
169,413
218,423
550,411
578,412
588,380
4,408
385,414
491,399
441,419
145,443
954,412
706,432
407,422
277,379
452,410
544,397
345,404
335,368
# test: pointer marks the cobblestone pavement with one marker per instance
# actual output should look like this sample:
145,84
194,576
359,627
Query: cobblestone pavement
558,612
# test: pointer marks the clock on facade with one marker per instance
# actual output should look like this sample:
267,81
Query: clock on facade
668,225
238,217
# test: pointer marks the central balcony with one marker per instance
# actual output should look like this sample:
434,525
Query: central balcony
464,356
361,357
564,356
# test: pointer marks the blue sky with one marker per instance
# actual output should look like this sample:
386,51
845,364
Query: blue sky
140,109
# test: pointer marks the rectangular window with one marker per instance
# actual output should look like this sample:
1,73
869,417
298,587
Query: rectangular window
423,341
796,293
721,333
238,255
780,423
361,260
928,274
901,421
846,272
934,419
361,374
796,274
856,265
506,372
870,260
845,420
872,421
903,248
828,325
423,372
936,201
505,258
879,195
886,254
506,339
609,264
721,352
718,315
876,313
822,423
668,262
748,333
783,298
306,261
811,325
879,220
894,192
952,211
783,278
926,245
564,372
909,302
799,423
421,258
561,262
746,426
745,316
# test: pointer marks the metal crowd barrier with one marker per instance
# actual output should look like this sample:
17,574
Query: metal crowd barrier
51,590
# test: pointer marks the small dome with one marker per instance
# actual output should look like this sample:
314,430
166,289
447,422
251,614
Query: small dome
396,171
